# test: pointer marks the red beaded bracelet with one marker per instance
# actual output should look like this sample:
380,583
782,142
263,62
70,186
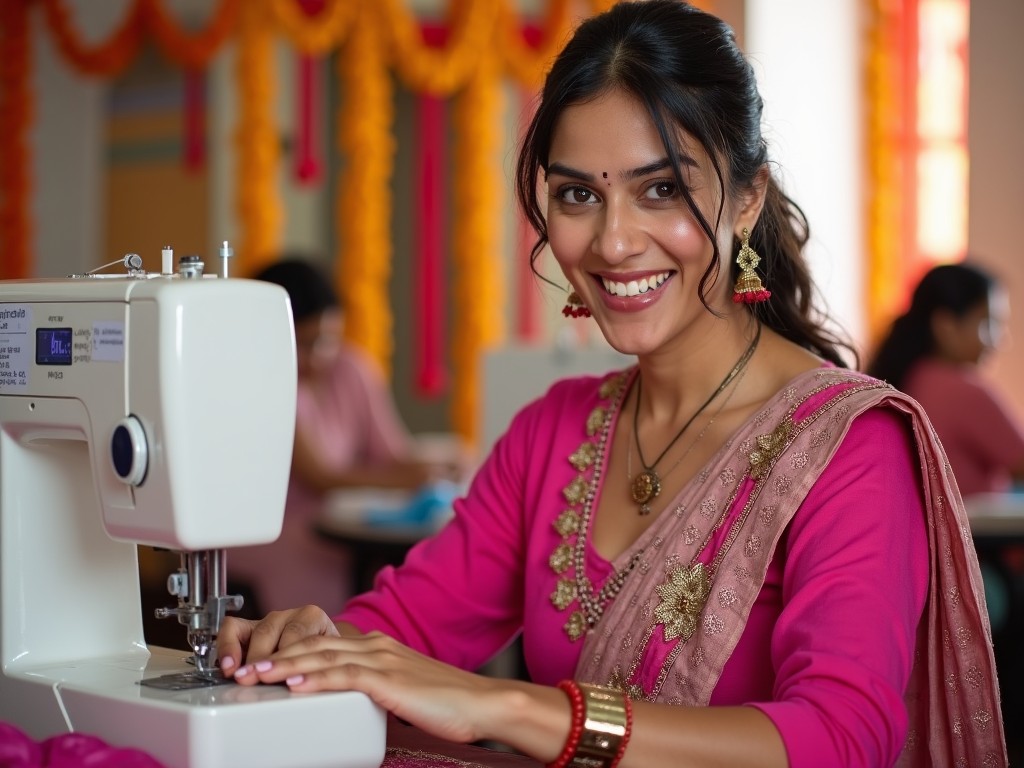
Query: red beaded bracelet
576,729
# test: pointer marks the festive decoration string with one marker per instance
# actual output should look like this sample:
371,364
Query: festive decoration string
15,106
440,71
528,60
367,145
190,50
256,143
431,214
314,34
108,58
478,301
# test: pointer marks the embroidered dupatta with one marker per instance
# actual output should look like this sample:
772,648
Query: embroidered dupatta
706,557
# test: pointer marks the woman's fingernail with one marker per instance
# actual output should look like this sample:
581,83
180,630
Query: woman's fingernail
264,666
243,671
295,680
226,663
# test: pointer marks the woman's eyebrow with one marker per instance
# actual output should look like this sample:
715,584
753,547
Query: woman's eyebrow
633,173
565,170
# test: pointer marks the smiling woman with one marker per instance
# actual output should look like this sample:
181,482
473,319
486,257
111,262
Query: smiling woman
706,608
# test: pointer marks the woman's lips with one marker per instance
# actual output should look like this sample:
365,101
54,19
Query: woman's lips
629,294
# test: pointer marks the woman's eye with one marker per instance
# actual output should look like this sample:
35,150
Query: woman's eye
661,190
576,195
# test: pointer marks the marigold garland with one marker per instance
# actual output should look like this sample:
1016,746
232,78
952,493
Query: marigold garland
439,71
478,300
366,141
16,108
256,142
108,58
191,50
524,62
318,34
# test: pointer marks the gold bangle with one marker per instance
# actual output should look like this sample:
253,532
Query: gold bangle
605,725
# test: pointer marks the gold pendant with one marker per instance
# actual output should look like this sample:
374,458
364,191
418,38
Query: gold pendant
645,488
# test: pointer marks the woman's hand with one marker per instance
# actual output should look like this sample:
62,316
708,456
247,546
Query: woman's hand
435,697
246,641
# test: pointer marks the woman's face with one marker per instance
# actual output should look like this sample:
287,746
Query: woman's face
317,339
969,337
621,230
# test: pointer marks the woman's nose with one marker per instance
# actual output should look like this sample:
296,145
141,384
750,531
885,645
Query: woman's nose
619,234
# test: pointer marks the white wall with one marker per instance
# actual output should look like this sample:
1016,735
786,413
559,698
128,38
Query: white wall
807,57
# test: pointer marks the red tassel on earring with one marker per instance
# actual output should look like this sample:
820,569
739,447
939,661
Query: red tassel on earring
574,306
748,288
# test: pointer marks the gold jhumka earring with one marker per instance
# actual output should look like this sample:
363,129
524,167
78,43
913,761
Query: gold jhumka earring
748,288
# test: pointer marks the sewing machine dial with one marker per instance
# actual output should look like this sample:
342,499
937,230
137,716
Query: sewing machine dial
129,452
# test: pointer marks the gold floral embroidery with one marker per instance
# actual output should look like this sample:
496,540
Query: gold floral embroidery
575,626
595,420
584,456
567,523
575,491
561,558
768,448
683,598
564,594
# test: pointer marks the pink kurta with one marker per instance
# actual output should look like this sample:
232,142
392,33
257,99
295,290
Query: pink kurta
982,437
351,417
828,647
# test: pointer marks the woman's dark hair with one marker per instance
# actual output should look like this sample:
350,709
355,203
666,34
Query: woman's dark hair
684,65
309,290
954,288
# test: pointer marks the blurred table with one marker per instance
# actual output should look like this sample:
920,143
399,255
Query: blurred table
359,521
996,517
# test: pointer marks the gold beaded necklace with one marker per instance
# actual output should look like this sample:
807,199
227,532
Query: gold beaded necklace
646,486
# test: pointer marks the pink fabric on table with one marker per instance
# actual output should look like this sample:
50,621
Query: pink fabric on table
982,437
351,415
68,750
855,550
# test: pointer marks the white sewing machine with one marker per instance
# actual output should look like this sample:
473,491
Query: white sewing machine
156,409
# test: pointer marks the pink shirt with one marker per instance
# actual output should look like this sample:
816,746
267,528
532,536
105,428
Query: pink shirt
828,648
982,438
351,417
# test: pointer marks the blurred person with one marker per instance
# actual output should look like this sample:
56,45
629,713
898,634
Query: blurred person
348,434
934,352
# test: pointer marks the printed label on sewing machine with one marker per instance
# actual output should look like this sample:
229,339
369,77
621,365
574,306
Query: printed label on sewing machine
108,341
15,345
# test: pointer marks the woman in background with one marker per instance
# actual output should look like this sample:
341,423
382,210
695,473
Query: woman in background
348,434
933,353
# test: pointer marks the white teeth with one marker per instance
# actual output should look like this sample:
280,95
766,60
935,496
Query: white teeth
635,287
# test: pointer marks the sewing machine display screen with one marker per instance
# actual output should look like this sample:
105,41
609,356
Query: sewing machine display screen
53,346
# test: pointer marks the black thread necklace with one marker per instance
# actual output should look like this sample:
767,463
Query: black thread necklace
646,486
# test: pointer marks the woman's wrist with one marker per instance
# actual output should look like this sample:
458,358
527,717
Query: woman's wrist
602,720
530,718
